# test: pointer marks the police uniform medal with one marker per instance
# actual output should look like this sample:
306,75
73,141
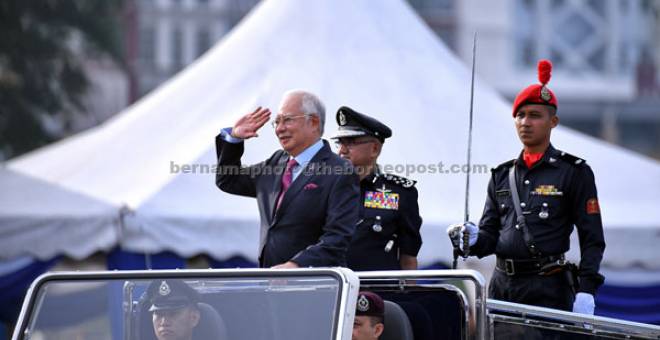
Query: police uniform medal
382,198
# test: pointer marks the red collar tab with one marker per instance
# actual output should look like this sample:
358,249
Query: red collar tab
531,158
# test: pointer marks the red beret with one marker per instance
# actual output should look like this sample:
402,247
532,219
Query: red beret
537,93
369,303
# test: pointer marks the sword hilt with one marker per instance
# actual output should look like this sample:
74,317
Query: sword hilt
466,243
454,236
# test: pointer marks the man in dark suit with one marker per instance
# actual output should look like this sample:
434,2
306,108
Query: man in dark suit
306,194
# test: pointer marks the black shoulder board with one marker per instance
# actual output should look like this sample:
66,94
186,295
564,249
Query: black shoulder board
398,180
570,159
504,165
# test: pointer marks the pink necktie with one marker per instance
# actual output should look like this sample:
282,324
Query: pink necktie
287,178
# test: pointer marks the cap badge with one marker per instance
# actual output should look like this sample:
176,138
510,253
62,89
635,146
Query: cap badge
342,118
545,94
164,289
363,304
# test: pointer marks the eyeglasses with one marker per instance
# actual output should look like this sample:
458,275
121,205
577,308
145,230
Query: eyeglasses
351,143
286,120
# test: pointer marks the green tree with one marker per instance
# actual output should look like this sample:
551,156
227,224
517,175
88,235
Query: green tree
42,44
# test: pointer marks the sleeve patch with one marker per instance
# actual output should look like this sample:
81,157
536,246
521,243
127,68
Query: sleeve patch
592,206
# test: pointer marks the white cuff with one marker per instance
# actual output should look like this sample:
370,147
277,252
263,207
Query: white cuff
225,134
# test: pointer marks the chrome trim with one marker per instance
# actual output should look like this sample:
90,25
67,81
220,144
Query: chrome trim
591,324
127,307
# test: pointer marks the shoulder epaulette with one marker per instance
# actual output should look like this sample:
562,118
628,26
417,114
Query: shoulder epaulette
398,180
574,160
506,164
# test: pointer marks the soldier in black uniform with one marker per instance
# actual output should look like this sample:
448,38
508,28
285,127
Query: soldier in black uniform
387,234
556,192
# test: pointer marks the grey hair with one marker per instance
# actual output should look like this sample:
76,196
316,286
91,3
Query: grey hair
310,105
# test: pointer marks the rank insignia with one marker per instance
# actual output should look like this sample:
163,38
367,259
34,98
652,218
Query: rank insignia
381,200
545,94
384,189
546,190
592,206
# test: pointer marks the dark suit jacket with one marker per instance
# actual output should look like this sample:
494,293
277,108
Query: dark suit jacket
317,216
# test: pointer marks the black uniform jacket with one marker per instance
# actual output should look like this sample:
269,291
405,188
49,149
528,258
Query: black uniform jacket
556,194
389,215
317,216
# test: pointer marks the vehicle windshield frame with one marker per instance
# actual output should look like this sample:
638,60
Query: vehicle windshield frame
347,284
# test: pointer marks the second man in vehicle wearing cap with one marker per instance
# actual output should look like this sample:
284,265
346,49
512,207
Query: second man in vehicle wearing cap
369,322
174,309
387,234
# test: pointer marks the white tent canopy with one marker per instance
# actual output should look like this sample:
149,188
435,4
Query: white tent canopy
376,57
44,219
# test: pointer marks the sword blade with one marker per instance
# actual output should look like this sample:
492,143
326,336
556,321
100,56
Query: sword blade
469,145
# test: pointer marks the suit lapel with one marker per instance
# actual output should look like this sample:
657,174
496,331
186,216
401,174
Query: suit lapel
302,179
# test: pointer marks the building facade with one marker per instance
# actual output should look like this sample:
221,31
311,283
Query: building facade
605,55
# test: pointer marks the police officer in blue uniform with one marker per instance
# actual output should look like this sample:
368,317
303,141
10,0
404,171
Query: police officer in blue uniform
387,234
174,308
532,205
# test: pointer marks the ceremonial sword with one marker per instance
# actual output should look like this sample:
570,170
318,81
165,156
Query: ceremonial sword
466,236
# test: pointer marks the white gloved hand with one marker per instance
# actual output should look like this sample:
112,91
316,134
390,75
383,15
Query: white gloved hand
473,231
584,304
456,231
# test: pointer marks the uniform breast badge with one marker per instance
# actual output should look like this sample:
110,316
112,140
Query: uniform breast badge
546,190
381,200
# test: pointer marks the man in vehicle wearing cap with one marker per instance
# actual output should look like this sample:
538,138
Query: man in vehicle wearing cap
532,204
369,317
387,234
174,309
308,214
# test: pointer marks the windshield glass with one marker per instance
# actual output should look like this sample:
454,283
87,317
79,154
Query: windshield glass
251,308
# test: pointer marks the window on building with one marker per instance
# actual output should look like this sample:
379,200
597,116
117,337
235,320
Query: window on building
177,48
147,45
203,41
581,36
